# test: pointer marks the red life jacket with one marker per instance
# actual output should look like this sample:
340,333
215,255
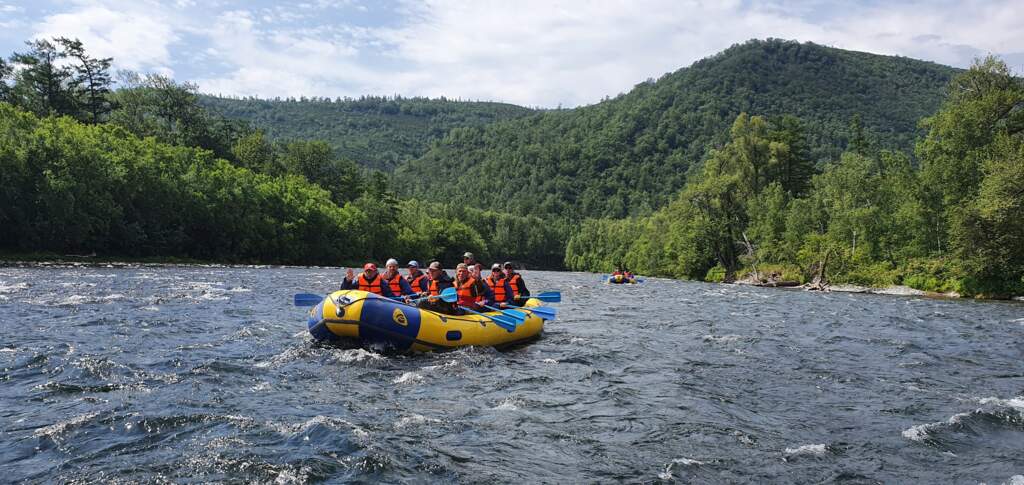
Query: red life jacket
417,282
396,284
513,281
371,286
498,287
468,293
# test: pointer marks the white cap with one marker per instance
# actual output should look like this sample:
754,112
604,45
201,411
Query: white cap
391,261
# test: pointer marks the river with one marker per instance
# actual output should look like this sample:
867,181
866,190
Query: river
199,374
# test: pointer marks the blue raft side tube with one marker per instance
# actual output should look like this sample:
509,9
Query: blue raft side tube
317,327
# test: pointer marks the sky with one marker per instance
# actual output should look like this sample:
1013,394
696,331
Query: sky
536,53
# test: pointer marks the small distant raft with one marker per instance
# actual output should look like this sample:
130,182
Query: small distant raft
622,280
373,320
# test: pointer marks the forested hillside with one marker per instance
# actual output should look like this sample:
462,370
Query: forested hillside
949,222
376,132
146,171
631,154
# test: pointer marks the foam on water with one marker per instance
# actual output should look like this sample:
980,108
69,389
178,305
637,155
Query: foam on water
667,473
1014,403
807,450
722,338
55,430
921,431
356,355
407,377
412,420
13,288
510,403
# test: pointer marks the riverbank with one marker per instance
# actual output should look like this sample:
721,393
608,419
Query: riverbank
894,290
89,261
44,260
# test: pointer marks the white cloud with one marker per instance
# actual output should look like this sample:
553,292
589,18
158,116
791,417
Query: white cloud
535,52
281,63
136,35
529,52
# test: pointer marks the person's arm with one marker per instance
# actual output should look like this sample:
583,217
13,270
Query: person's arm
349,281
406,288
485,295
523,292
508,292
385,289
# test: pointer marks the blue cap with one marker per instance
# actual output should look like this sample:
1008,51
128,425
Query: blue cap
413,264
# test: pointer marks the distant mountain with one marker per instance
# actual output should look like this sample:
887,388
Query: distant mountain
630,154
376,132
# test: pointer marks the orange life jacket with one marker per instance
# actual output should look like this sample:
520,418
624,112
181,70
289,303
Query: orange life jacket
371,286
498,287
513,281
417,282
432,288
396,284
468,293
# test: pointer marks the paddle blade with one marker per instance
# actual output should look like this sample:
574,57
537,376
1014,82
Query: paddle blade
307,299
516,314
544,313
510,313
549,296
504,322
449,295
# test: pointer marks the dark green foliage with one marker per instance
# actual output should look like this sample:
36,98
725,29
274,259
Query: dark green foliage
376,132
70,188
156,106
6,71
630,154
44,85
92,81
58,78
870,218
973,171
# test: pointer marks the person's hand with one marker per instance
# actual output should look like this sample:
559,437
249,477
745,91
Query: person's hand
408,300
350,275
503,305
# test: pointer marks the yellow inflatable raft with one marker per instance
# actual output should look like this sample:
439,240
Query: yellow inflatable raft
374,320
619,279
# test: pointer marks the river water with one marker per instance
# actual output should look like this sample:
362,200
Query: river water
200,374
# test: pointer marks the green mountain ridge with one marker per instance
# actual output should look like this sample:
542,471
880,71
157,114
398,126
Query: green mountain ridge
631,154
377,132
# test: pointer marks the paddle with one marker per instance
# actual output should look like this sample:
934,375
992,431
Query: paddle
307,299
445,295
548,296
545,313
510,313
503,322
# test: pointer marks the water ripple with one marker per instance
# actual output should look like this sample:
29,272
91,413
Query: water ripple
207,374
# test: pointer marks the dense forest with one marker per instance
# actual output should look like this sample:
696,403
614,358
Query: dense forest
377,132
947,219
146,171
631,154
772,158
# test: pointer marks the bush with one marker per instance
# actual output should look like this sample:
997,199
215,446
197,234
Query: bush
715,274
